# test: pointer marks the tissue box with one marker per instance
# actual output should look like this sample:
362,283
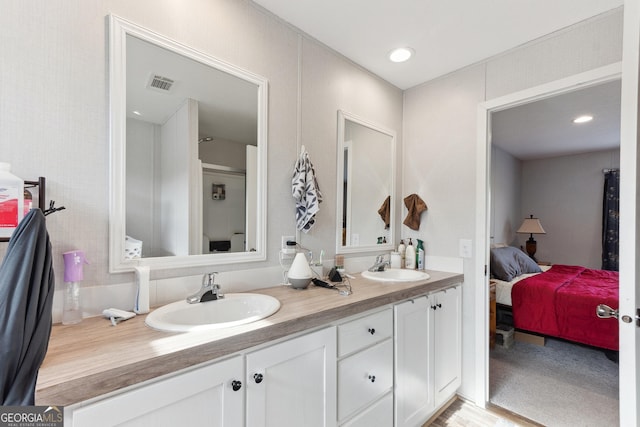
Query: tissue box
132,248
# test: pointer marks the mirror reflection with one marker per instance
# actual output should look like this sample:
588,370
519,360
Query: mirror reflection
191,161
366,159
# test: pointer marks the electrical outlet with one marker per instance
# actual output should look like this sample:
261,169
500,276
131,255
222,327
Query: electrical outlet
286,239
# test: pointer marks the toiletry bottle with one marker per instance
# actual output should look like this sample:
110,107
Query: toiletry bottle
420,255
410,256
401,249
73,275
11,200
396,261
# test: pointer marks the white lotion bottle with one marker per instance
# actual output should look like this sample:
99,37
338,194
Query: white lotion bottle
410,256
401,250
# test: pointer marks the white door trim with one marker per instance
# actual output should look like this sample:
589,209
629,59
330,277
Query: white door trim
629,216
483,198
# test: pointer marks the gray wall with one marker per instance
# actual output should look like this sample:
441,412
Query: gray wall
441,142
506,189
566,194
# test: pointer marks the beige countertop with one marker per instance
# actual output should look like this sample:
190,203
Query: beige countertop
94,358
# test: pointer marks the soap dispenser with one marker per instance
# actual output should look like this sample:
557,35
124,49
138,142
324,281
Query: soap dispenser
410,256
401,250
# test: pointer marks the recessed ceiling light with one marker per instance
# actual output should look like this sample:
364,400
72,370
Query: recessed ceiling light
400,54
583,119
137,113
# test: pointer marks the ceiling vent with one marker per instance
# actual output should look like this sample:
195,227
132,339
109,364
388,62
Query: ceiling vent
160,83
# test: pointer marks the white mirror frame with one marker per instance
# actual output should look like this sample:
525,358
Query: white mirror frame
340,249
118,31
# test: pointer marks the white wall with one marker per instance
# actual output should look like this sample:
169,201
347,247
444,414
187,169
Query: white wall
141,208
566,194
221,152
174,180
223,218
440,142
371,185
54,110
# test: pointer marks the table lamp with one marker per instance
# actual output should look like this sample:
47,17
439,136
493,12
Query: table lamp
531,226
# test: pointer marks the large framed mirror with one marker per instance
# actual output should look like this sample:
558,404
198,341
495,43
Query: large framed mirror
188,155
366,186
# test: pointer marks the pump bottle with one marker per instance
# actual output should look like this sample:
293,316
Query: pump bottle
410,256
73,275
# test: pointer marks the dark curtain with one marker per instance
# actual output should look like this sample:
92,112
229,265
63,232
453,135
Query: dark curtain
610,220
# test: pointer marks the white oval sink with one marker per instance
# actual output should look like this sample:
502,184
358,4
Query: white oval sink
396,275
232,310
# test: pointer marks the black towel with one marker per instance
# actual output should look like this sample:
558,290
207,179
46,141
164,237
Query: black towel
26,295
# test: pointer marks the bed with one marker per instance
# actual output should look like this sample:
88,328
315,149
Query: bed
559,300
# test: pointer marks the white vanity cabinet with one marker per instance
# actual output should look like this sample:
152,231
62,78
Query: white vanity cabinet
293,383
212,395
393,365
365,370
427,355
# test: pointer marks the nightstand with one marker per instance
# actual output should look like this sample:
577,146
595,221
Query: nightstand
492,314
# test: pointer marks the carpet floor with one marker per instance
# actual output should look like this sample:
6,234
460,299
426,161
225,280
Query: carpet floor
559,384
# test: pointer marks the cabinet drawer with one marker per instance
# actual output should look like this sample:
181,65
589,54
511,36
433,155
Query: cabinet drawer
364,377
364,331
379,414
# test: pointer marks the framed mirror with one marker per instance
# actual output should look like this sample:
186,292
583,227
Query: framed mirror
366,186
188,155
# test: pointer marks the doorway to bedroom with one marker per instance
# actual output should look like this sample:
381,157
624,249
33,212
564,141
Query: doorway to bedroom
542,165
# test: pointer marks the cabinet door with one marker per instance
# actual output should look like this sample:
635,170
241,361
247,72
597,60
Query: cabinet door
293,383
447,343
414,399
205,396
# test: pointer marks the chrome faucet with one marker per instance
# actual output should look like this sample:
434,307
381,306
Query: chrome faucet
380,263
209,291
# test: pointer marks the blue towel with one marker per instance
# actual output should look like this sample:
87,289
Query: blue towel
306,192
26,296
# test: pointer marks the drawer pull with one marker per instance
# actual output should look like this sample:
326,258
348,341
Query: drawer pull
371,331
258,378
372,378
236,385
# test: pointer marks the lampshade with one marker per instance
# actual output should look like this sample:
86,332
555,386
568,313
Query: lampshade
531,226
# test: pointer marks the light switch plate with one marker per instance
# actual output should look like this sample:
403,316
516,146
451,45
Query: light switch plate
465,248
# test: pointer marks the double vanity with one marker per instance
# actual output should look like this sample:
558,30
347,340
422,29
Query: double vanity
322,359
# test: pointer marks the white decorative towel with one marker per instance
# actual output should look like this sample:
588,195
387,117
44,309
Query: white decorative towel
306,192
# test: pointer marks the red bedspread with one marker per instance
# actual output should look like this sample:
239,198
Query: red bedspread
562,303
